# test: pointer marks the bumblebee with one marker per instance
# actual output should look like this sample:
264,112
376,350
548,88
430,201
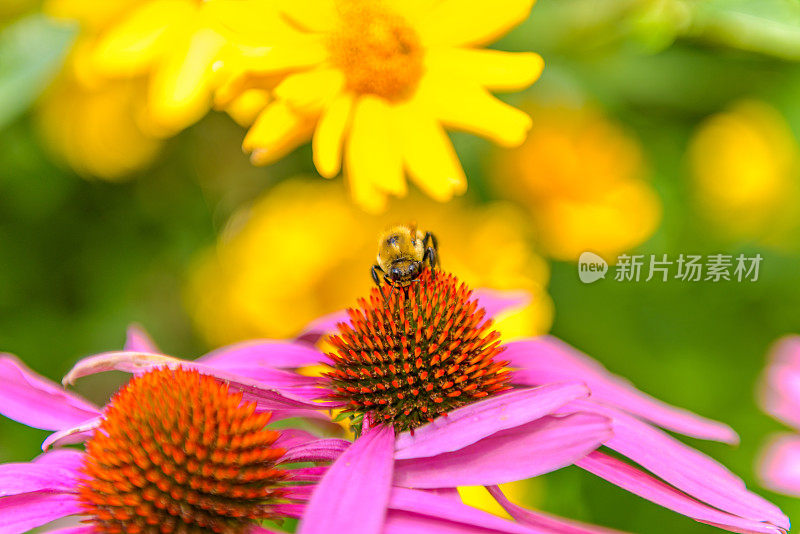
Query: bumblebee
403,251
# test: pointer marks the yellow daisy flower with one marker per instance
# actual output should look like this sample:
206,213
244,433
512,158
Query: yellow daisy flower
744,164
173,44
376,82
92,125
581,177
303,250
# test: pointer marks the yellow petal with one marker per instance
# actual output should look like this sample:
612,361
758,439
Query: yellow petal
276,132
292,54
469,107
328,137
311,15
472,22
246,107
180,89
129,47
429,155
310,91
373,155
493,69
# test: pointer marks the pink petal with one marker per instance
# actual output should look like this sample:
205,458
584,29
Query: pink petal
780,390
292,437
30,477
138,362
687,469
264,353
36,401
546,359
550,523
353,495
138,340
779,467
416,511
544,445
321,450
496,302
76,434
628,477
69,459
255,529
74,530
20,513
323,326
473,422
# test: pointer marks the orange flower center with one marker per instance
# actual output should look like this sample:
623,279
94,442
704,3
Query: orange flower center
415,353
378,51
177,452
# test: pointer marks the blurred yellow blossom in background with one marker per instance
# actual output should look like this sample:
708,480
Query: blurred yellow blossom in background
173,44
580,175
303,250
92,124
376,82
744,167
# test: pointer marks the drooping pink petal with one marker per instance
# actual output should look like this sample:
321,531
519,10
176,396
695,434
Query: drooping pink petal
686,468
638,482
70,459
292,437
466,425
256,529
268,397
20,513
137,340
779,467
36,401
75,434
538,447
27,477
266,353
412,511
780,388
496,302
320,450
352,496
323,326
546,359
555,524
74,530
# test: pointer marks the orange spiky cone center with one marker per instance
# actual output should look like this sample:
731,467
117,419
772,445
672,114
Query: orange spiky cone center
178,453
410,355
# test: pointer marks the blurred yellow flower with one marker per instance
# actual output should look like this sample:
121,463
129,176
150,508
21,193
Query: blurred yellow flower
92,126
744,164
173,44
302,251
376,82
581,178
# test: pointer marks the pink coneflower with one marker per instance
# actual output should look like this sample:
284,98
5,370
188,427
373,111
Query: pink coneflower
779,467
425,360
176,451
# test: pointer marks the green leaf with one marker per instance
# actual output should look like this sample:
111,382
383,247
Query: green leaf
31,52
765,26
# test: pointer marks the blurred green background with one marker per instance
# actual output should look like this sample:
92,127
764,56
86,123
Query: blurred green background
80,259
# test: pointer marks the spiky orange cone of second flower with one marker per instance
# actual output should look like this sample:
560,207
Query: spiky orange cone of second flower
177,452
412,354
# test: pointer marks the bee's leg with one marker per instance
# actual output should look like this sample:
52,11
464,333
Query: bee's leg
431,257
375,278
431,246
